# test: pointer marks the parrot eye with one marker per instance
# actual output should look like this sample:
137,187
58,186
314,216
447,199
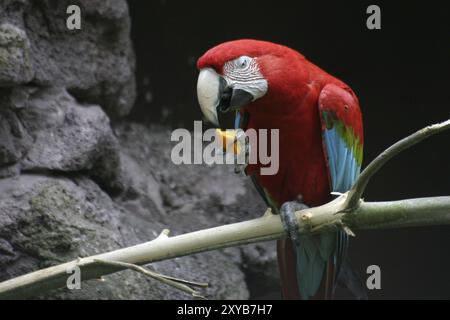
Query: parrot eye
243,62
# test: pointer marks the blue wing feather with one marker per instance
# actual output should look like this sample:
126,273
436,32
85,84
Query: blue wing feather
342,162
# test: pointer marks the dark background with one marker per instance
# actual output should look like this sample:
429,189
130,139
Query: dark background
400,74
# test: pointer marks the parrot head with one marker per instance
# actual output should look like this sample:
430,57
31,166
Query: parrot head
243,73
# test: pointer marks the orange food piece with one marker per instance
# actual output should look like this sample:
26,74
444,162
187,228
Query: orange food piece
228,141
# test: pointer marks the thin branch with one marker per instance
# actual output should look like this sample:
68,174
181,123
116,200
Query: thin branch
361,183
176,283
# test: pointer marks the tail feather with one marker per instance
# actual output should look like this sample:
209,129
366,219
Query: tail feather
311,263
287,263
287,267
350,280
334,274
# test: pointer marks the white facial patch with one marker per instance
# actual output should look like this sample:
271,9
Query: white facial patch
243,73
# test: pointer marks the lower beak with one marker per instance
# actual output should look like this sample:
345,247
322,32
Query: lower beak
215,95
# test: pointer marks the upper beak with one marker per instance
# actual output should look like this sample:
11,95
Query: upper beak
214,93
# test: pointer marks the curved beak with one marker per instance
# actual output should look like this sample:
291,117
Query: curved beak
216,95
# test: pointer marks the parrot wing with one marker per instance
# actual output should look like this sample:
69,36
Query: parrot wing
343,144
342,135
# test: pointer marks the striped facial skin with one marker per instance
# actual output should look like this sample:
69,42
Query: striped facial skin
243,73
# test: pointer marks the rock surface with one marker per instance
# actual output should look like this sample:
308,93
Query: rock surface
15,56
76,181
95,63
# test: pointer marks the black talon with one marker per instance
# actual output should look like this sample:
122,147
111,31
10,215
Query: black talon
288,219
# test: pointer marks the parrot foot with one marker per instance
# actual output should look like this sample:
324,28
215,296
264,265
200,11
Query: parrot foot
287,213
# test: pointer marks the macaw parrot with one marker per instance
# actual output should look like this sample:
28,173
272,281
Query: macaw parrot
270,86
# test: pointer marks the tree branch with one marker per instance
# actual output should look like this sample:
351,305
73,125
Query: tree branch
176,283
361,183
347,212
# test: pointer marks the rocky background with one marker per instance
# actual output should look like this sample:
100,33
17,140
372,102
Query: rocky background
76,179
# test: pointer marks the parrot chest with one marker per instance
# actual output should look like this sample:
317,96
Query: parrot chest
302,168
